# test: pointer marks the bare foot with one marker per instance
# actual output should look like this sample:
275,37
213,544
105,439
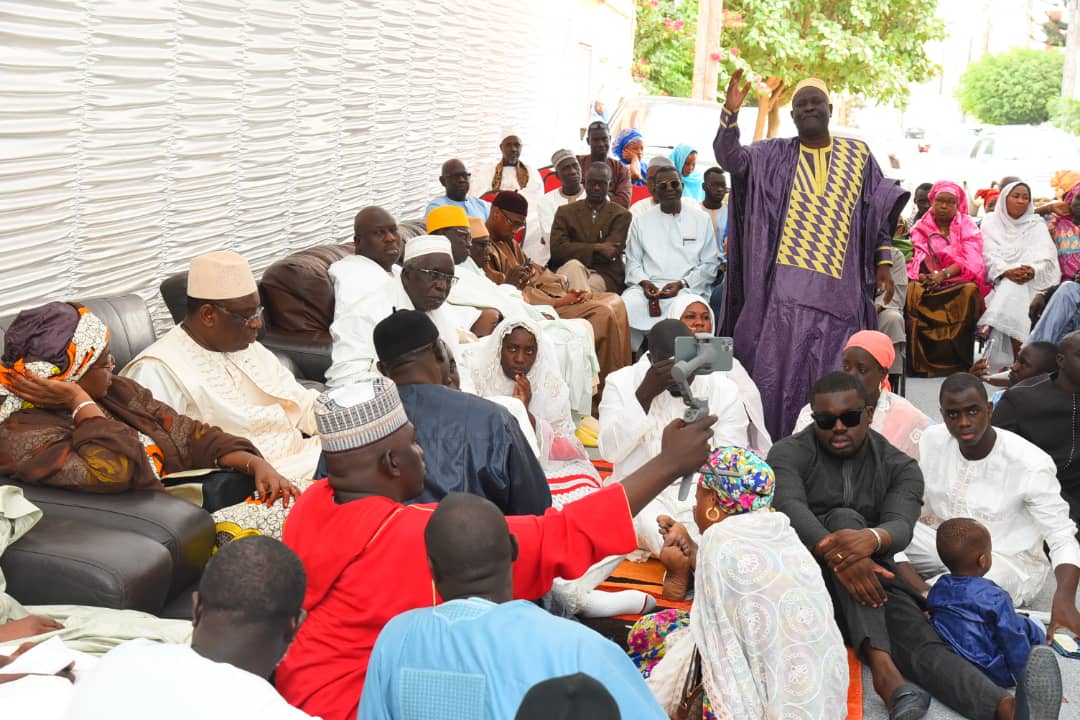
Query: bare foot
677,577
665,522
675,533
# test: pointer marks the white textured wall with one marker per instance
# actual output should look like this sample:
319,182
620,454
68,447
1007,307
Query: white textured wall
136,134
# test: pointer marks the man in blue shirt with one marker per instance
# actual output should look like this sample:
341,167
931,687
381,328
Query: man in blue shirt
455,179
477,654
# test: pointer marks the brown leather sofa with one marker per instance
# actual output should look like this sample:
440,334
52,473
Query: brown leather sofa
298,295
141,550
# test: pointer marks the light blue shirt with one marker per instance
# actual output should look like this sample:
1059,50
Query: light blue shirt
474,206
473,659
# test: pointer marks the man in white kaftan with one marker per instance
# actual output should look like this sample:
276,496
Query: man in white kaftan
419,287
671,249
220,374
636,407
1013,490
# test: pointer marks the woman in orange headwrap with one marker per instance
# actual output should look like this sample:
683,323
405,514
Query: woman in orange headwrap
867,357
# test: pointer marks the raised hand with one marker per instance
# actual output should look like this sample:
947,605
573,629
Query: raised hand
736,95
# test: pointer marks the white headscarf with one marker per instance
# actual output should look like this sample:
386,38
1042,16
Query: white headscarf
550,393
678,306
1009,242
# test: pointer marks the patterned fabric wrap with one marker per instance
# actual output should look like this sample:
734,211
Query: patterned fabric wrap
85,347
358,415
1063,181
1066,235
752,490
647,643
253,517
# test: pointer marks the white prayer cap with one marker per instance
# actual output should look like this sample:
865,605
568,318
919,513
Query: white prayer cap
358,415
221,275
426,245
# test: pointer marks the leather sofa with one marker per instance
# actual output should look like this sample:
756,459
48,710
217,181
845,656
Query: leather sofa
141,550
298,296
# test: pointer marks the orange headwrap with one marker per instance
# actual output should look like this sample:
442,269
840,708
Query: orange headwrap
880,348
1063,181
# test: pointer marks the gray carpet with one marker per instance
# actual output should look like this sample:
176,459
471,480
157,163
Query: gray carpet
924,394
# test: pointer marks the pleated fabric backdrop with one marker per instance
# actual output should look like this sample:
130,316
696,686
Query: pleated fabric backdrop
137,134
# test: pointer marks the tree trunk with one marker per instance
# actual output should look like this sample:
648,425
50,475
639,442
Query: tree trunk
779,100
764,105
769,103
1070,78
707,70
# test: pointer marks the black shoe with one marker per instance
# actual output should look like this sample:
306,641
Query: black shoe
1038,696
909,702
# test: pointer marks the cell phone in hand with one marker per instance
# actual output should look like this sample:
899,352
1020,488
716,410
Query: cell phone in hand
1065,645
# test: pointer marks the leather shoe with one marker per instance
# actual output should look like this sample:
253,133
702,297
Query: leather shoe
909,702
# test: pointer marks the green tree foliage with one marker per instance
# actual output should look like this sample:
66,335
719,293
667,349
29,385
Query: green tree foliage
1012,88
664,46
1065,113
873,48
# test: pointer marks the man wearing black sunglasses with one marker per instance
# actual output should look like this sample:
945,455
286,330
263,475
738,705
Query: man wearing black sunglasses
854,500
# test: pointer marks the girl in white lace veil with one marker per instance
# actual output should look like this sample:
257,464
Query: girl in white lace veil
564,459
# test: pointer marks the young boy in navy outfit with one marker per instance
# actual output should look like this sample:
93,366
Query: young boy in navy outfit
974,614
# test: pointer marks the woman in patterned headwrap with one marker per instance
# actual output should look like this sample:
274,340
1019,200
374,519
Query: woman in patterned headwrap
762,621
67,421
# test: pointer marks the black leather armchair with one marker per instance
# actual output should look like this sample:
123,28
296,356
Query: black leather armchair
140,550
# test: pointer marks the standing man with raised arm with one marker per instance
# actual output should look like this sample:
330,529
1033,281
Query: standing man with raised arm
809,246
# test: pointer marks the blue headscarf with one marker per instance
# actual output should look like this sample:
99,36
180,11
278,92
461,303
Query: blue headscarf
692,183
624,138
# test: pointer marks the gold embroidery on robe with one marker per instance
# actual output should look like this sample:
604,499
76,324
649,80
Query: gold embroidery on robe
824,193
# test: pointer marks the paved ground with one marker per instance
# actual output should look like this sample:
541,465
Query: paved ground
923,393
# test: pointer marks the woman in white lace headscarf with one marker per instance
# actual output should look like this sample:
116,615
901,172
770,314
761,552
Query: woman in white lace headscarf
516,360
1021,259
762,620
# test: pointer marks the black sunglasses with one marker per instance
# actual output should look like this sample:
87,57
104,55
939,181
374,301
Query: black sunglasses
673,184
827,421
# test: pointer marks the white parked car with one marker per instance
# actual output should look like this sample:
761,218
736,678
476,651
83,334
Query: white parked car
1031,153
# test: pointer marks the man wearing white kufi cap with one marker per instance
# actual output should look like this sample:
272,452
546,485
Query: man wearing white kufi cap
424,283
211,367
